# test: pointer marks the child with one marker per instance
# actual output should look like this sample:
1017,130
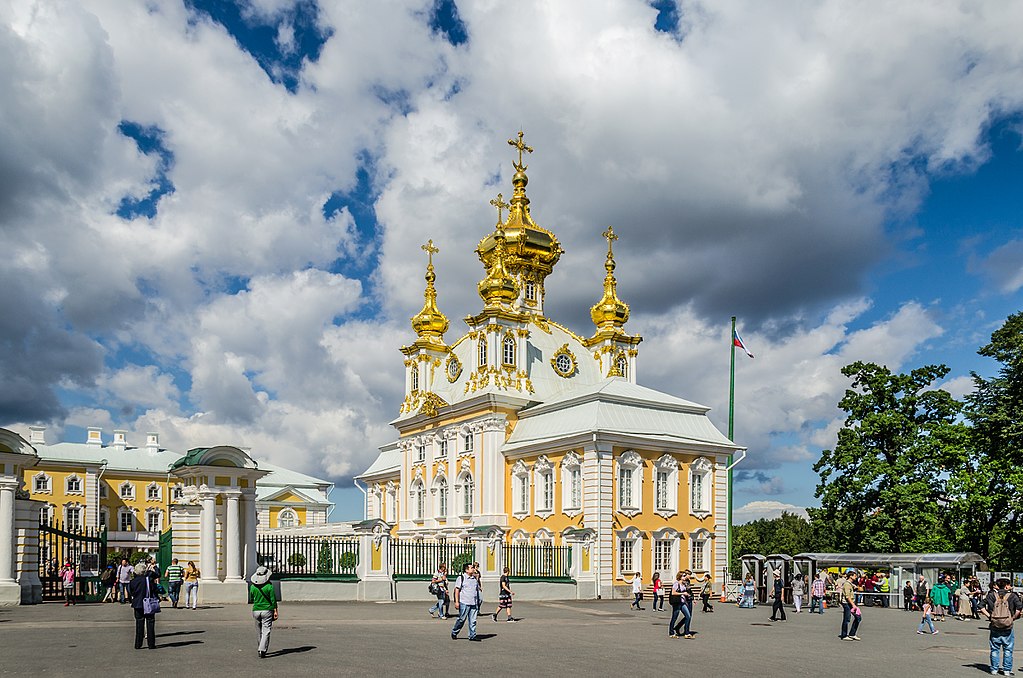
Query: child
927,620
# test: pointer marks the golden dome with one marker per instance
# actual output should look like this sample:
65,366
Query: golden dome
610,312
527,246
430,323
498,287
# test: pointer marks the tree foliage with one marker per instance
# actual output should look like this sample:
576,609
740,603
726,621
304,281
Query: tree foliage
882,488
789,533
987,485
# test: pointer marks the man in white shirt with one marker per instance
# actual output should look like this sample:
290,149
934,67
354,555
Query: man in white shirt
467,598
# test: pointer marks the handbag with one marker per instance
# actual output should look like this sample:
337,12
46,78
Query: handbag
675,597
150,604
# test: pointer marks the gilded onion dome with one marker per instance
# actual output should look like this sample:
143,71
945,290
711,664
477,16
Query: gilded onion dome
610,312
527,247
430,323
498,287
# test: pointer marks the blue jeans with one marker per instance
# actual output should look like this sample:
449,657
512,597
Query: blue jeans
439,607
1002,641
816,603
466,611
123,589
174,591
675,612
926,621
846,616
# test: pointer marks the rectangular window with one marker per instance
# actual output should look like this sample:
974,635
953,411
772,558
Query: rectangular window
662,555
662,490
74,519
127,491
420,501
153,522
443,499
103,490
467,442
42,484
576,487
442,450
127,521
467,499
102,519
153,492
625,487
548,491
696,554
697,491
625,555
420,452
523,483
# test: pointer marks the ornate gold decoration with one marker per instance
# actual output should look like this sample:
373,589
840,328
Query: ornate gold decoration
430,324
500,205
610,312
431,403
498,287
565,368
453,368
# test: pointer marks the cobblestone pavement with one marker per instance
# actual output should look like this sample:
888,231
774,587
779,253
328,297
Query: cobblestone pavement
572,638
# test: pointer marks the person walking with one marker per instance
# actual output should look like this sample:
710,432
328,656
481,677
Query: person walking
798,587
504,598
191,578
67,578
658,591
439,586
466,602
778,594
142,589
175,574
922,592
109,581
818,590
706,592
850,610
926,620
125,572
749,590
637,591
681,614
964,608
264,607
1002,607
907,596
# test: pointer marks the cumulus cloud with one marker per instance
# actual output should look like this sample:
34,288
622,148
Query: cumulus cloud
768,510
752,166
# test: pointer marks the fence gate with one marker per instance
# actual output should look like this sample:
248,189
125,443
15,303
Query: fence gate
86,548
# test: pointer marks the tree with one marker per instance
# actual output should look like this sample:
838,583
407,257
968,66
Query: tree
987,485
882,487
789,534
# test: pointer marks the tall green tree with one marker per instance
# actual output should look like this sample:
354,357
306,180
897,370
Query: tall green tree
986,510
882,488
789,534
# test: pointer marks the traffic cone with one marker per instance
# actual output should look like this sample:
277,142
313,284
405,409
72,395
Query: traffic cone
824,603
724,598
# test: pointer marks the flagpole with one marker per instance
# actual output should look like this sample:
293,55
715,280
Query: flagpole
731,436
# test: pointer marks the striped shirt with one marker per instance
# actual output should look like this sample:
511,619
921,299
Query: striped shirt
175,573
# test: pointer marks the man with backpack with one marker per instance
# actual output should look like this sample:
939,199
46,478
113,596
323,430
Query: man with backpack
1002,607
467,598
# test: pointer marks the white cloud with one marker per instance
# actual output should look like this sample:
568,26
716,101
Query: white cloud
769,510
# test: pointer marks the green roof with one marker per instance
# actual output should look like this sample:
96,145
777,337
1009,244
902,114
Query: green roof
190,458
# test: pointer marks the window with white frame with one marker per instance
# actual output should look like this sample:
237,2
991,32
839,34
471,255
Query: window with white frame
700,487
154,519
571,483
287,518
520,537
421,451
73,485
41,483
666,486
698,546
543,481
418,498
153,492
415,377
509,350
662,555
126,520
392,505
441,485
630,483
178,492
73,517
46,514
103,492
530,290
482,351
468,492
467,441
665,551
126,490
629,544
442,449
104,519
520,488
622,366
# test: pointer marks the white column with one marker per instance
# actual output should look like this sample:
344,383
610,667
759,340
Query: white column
7,489
232,537
249,518
208,536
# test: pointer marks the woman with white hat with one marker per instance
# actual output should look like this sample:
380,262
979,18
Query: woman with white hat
264,607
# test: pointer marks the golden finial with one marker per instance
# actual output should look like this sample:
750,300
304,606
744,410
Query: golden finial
610,311
498,287
430,323
500,204
521,147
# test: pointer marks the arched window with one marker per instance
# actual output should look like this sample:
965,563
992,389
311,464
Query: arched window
287,518
468,490
530,290
482,352
415,377
571,483
509,350
154,520
442,497
622,366
73,517
520,487
418,500
700,471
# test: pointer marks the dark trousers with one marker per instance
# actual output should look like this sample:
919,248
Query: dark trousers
658,597
847,615
707,607
145,627
777,607
174,591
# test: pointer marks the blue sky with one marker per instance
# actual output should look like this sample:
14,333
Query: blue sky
213,210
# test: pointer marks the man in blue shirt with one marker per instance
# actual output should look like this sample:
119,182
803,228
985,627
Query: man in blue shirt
467,598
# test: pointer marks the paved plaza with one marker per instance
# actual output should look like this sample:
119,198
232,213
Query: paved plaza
574,638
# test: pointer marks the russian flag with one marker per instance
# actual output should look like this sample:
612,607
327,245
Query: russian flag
737,341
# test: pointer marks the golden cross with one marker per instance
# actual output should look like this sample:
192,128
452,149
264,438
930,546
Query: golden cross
521,147
500,204
610,235
430,250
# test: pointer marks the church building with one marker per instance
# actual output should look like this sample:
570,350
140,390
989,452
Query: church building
523,428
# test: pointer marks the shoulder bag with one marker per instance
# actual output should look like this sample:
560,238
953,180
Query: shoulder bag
150,604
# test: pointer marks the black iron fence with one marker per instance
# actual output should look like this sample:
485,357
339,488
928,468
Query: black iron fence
418,559
539,561
294,556
85,549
